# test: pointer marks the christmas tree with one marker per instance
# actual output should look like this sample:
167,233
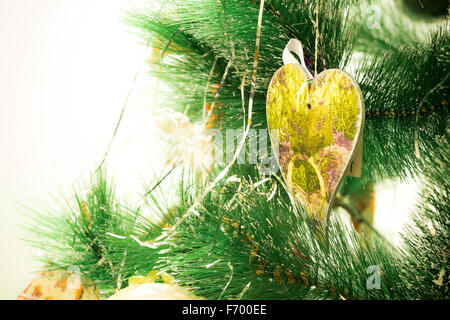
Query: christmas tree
234,232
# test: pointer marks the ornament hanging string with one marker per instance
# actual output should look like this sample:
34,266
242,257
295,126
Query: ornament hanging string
295,46
316,26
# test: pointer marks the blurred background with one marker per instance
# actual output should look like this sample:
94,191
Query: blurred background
66,68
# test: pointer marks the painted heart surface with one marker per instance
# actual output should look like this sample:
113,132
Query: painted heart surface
318,123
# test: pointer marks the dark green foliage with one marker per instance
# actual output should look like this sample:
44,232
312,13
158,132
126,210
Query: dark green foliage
238,220
248,234
77,236
428,8
428,240
396,86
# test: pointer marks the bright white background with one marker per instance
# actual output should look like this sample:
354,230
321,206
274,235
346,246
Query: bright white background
65,69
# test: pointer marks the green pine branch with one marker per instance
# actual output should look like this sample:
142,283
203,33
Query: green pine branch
427,239
248,241
76,236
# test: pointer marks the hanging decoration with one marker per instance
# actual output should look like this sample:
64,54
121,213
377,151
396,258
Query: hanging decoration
317,124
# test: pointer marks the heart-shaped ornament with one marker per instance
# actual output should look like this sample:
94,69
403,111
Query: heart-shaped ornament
317,124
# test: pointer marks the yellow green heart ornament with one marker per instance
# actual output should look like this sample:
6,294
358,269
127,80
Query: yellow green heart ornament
316,123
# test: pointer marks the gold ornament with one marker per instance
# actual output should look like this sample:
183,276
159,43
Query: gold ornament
146,288
59,285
